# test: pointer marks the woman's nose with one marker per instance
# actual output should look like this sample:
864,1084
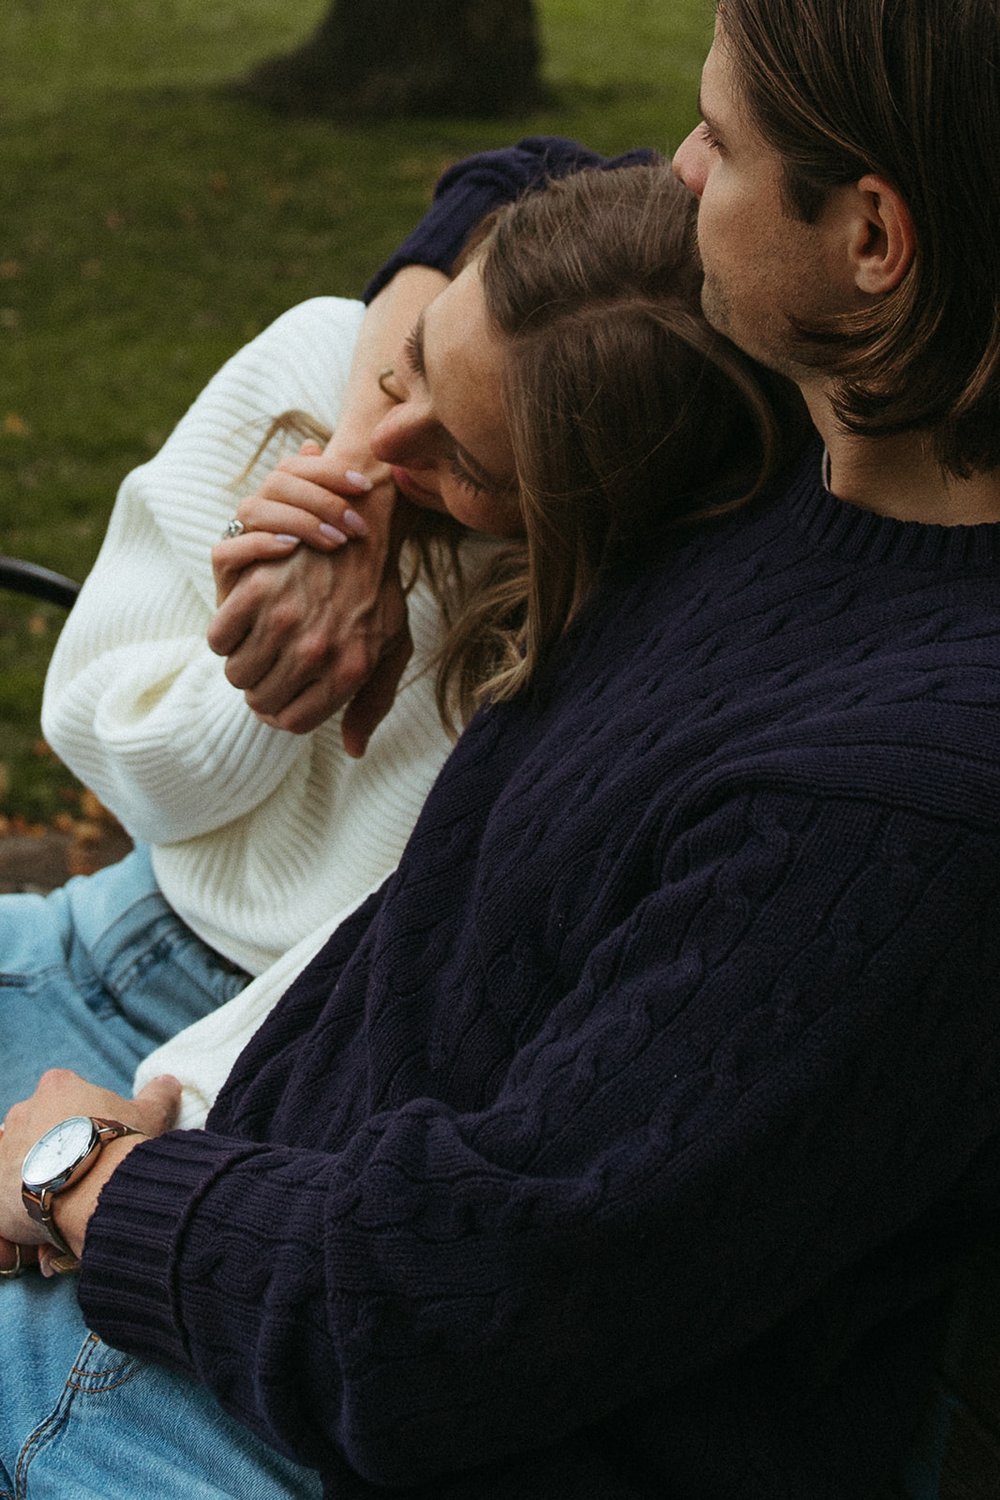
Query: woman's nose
403,435
690,161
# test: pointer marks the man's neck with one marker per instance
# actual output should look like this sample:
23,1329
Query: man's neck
900,477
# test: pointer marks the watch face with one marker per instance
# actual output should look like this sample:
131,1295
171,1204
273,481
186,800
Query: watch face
58,1151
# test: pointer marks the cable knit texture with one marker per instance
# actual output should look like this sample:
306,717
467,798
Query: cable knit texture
617,1145
259,836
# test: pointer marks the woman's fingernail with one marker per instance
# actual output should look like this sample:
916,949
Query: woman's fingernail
289,541
331,533
353,523
361,480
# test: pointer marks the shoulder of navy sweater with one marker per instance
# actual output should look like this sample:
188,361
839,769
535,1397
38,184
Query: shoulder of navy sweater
757,654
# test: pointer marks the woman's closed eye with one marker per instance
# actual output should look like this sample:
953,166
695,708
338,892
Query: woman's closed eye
413,351
462,474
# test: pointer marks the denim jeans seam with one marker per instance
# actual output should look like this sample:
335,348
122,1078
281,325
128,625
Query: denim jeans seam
34,979
37,1441
50,1427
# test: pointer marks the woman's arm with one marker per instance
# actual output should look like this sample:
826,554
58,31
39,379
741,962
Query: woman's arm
135,701
305,636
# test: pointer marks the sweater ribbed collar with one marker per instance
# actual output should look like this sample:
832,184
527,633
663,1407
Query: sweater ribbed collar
839,526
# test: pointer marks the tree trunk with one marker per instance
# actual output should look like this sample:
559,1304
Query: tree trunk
409,57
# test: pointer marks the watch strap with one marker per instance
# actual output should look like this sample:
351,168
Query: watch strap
39,1204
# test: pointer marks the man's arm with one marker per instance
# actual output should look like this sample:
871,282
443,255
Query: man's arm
745,1093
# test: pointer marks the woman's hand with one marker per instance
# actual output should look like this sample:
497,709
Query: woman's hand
298,501
308,630
312,632
308,495
59,1094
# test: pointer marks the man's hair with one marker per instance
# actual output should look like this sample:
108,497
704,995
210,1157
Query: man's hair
629,416
909,90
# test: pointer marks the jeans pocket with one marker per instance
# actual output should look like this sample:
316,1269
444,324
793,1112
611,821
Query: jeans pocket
96,1371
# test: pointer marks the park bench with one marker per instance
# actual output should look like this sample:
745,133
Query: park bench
963,1457
37,582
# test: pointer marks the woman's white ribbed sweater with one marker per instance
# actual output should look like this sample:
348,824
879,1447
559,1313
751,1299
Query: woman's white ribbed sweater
261,839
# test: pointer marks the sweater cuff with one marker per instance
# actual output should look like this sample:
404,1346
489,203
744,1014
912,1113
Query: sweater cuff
127,1274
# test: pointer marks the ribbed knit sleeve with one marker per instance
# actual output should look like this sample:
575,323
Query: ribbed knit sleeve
680,1150
135,702
477,185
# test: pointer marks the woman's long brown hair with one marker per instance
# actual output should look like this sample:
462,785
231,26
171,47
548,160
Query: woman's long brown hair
630,419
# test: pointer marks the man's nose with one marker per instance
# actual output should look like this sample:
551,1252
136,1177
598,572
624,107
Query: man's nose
690,162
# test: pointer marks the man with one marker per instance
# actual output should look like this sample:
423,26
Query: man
624,1143
828,250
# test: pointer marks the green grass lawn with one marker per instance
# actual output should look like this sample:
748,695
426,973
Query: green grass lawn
149,225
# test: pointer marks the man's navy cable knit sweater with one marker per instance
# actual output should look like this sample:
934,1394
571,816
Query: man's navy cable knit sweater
616,1146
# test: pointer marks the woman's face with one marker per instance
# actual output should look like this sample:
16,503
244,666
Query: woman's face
446,439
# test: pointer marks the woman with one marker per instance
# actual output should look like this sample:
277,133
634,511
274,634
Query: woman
526,398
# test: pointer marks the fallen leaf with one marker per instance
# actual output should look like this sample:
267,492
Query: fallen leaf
92,807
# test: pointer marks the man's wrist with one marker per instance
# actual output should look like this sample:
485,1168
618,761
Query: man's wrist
73,1207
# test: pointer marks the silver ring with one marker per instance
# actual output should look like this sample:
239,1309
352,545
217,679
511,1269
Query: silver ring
16,1269
235,527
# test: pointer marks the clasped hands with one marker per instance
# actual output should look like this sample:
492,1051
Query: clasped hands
58,1095
308,629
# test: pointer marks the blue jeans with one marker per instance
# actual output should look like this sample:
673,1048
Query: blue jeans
94,977
98,974
81,1421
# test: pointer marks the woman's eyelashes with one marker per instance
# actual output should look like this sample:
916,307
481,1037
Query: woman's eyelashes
461,473
413,352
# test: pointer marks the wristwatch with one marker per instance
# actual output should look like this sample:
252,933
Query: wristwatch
59,1159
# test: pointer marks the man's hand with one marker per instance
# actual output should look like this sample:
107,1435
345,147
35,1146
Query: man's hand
60,1094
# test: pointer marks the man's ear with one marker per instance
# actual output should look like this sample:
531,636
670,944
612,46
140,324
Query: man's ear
885,241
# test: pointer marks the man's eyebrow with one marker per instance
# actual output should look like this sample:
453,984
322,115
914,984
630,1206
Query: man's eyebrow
714,129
